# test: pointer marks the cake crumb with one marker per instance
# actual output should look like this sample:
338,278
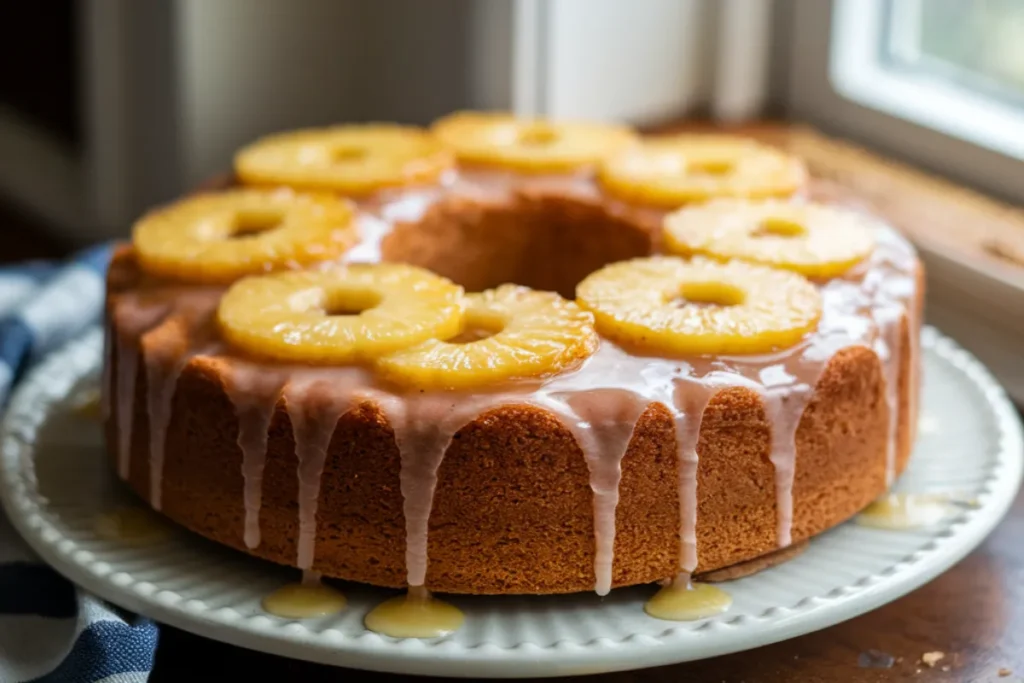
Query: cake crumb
1004,672
946,668
930,659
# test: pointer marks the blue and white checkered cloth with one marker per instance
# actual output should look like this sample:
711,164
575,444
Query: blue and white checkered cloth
51,630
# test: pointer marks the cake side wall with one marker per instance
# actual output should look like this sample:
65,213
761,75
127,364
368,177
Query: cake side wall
541,501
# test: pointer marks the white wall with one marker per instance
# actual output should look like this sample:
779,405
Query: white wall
416,60
174,87
248,67
643,61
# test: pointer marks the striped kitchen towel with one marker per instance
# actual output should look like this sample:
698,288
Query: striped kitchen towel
51,630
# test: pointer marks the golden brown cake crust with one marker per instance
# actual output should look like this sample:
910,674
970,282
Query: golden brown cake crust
513,510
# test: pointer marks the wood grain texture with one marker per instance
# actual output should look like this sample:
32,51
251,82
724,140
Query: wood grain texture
973,614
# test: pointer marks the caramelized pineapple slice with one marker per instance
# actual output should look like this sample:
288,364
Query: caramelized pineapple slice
530,145
508,333
348,314
815,240
354,159
667,305
671,171
220,237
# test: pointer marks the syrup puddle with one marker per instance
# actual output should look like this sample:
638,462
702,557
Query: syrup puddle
416,614
683,600
901,511
133,525
307,599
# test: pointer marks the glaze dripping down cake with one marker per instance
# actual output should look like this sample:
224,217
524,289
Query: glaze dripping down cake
500,356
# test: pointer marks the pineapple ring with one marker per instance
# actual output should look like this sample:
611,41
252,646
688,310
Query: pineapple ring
537,145
345,315
355,159
811,239
680,169
216,238
509,333
665,304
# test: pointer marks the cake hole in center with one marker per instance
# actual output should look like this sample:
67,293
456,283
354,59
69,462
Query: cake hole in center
252,223
709,294
348,155
547,243
779,227
537,136
350,302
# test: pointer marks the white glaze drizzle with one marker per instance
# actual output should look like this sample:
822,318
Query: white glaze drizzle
161,383
108,369
314,408
167,351
888,347
422,434
914,334
894,304
424,426
134,319
254,393
689,402
784,410
602,420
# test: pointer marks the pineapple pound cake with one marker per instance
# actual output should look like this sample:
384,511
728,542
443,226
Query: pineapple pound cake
499,355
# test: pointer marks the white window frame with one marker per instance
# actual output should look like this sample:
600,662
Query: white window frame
840,102
860,74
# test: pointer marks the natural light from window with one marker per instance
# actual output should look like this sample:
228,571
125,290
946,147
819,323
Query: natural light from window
955,66
979,43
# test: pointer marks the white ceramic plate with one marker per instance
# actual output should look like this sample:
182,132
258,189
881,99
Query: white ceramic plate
55,478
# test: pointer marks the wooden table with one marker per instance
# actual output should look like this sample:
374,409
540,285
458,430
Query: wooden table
973,615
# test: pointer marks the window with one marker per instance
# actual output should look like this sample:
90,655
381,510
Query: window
976,45
956,67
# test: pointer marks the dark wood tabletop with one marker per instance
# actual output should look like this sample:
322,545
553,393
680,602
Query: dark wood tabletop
965,625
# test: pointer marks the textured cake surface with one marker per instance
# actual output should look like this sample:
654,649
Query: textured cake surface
520,501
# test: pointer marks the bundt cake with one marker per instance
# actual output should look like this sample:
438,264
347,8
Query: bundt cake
500,355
